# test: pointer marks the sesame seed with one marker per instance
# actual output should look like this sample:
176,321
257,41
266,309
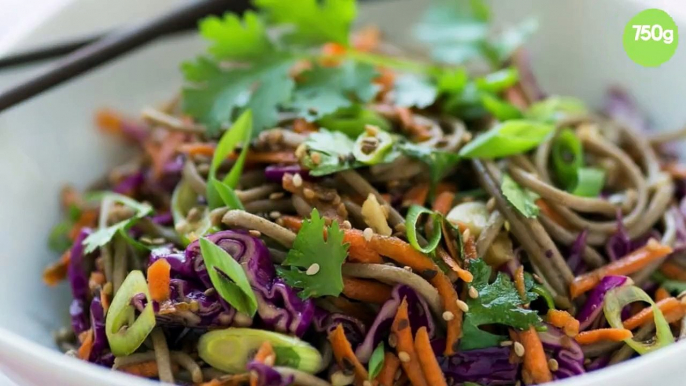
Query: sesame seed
519,349
159,240
300,150
309,193
403,356
448,316
181,226
506,224
366,383
466,234
392,340
254,233
269,360
346,225
490,204
473,293
506,343
297,180
652,244
340,379
275,214
407,268
553,365
276,195
316,158
368,233
145,240
462,305
313,269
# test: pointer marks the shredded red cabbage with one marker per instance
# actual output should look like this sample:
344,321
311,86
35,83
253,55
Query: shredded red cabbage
486,366
594,303
267,376
564,350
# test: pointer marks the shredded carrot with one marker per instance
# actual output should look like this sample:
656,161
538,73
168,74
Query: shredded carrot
519,282
386,80
109,121
661,294
358,251
367,39
418,132
368,291
86,346
96,280
86,219
416,195
446,187
304,127
158,280
565,321
603,334
673,271
105,301
669,305
405,254
515,96
463,274
265,354
161,153
343,352
628,264
391,364
331,53
57,272
535,362
260,157
386,197
145,369
469,246
554,216
444,202
427,359
227,380
405,347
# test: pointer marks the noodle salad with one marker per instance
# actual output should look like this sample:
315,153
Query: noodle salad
319,207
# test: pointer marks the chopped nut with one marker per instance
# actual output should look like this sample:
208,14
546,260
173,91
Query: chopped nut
297,180
404,356
519,349
462,305
368,233
473,293
448,316
254,233
312,270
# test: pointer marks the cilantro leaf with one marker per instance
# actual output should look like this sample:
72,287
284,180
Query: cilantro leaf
236,39
104,235
439,162
414,91
324,90
522,199
310,248
216,96
498,303
314,21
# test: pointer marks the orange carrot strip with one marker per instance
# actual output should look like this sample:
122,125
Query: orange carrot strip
86,346
391,364
564,320
535,362
673,271
367,38
463,274
519,282
645,315
515,96
405,347
158,280
86,219
302,126
443,202
96,280
57,272
207,149
228,380
386,80
105,301
109,121
368,291
661,294
331,51
405,254
162,153
550,212
416,195
146,369
469,246
343,352
265,354
358,250
294,223
427,359
603,334
628,264
446,187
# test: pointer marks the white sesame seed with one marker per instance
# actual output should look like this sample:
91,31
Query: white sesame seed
506,343
371,129
300,150
368,233
346,225
275,214
448,316
255,233
462,305
313,269
340,379
276,195
403,356
466,234
652,244
519,349
297,180
407,268
553,365
309,193
473,293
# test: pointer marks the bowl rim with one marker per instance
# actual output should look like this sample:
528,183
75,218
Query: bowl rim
25,350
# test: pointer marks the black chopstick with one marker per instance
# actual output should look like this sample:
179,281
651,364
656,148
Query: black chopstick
117,43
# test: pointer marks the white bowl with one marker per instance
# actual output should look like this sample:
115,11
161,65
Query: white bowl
51,140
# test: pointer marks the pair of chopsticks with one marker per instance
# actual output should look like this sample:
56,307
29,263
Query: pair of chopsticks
86,54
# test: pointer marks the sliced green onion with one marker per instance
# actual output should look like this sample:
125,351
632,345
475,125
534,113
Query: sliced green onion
413,216
183,199
240,131
500,109
231,349
452,80
376,361
123,334
372,149
556,108
228,277
617,298
512,137
498,81
227,194
352,120
545,294
590,182
568,157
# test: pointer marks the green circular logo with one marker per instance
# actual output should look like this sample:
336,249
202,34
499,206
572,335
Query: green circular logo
651,37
